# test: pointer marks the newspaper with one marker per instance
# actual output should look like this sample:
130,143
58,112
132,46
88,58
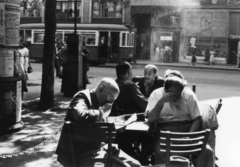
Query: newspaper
119,121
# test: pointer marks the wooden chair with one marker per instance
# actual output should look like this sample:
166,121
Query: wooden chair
183,144
91,132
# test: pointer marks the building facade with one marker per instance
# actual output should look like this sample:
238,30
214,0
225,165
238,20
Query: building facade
172,23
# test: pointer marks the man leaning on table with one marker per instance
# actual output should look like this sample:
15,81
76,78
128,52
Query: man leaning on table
91,106
174,107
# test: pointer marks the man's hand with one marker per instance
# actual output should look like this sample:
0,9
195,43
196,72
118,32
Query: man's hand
106,109
169,97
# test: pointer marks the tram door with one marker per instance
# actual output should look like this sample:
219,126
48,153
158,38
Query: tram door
114,46
103,48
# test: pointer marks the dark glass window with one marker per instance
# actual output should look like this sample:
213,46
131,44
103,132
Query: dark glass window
108,10
65,10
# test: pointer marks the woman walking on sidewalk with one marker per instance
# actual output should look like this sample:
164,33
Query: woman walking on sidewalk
211,60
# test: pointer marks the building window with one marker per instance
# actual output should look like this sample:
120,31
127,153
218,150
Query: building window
65,10
109,10
205,44
31,8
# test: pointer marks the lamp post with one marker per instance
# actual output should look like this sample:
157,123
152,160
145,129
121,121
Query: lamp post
75,17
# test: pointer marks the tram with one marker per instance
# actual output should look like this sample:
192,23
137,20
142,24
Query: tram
106,42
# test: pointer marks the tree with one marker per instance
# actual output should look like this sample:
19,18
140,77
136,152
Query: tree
47,89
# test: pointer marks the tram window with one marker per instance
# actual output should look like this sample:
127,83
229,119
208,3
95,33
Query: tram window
123,39
21,36
28,35
127,39
38,36
89,38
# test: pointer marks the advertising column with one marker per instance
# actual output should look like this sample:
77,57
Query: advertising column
10,80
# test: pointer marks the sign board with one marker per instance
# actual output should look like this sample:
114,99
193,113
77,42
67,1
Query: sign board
9,23
166,38
6,63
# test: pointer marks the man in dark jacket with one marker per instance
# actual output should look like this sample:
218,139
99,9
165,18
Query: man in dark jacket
150,81
129,101
91,106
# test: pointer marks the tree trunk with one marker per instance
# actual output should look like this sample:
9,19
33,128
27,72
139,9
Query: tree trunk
47,89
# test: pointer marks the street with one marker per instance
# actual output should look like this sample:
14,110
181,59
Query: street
210,85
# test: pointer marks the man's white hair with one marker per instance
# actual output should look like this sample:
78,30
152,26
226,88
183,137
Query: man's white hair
153,67
108,82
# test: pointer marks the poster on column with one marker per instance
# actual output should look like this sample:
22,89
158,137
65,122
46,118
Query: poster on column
2,25
6,63
12,23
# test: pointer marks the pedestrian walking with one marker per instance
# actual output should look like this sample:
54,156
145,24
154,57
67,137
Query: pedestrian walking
238,60
161,53
193,51
57,61
207,57
23,57
86,57
212,55
234,59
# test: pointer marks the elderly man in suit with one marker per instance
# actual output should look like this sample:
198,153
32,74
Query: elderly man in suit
150,81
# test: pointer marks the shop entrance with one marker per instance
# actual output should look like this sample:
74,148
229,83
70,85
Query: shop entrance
233,46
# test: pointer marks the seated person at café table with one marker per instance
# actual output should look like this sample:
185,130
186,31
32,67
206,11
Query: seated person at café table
174,107
90,106
129,101
150,81
209,116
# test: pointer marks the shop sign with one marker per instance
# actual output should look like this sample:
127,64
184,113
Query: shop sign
234,36
157,14
221,3
206,23
166,16
233,2
166,38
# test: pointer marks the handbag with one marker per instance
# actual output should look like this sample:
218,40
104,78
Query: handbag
30,69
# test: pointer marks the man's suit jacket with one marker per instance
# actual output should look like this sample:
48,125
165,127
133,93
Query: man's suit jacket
140,81
130,100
